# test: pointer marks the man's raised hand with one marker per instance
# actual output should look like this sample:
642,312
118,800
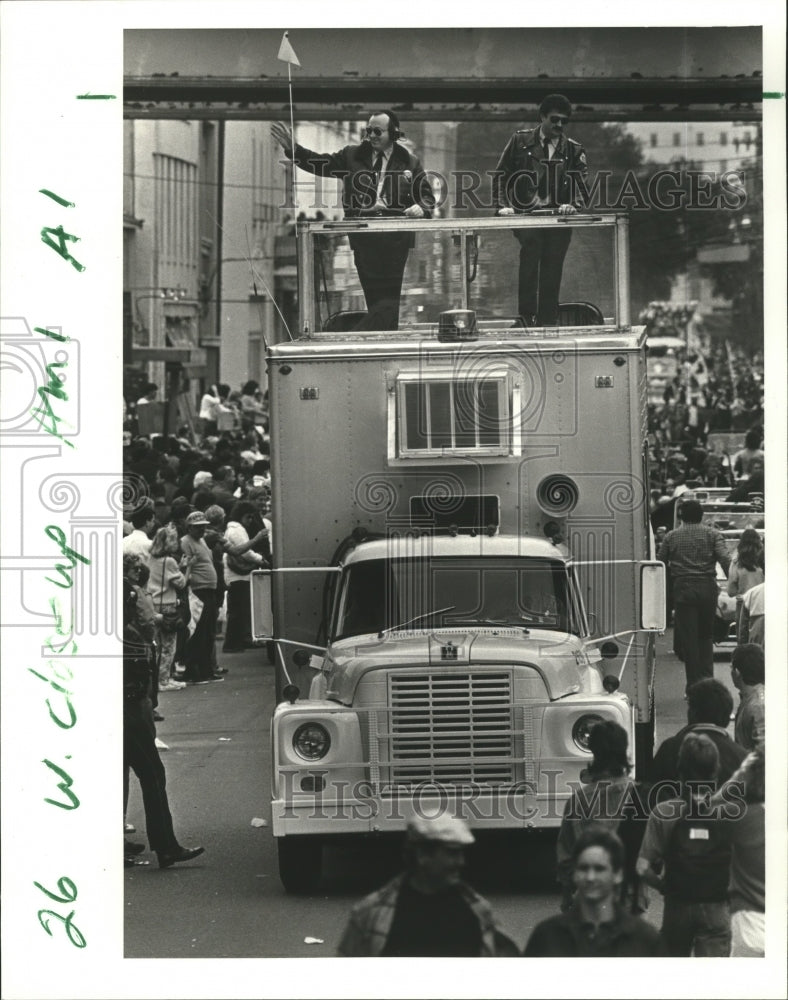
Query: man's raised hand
282,135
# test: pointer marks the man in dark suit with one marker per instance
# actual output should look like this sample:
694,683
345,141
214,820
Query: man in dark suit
538,170
379,177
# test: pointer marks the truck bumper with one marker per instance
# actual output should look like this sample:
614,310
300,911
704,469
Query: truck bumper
508,809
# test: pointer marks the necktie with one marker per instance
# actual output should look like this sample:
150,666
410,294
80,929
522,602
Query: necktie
376,168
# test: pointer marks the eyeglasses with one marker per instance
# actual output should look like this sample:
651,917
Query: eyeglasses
559,119
373,131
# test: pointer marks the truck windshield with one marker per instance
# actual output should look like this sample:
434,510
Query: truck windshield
527,593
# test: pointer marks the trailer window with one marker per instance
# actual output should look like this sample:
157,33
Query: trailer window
450,415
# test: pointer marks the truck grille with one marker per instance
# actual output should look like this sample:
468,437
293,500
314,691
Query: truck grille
451,728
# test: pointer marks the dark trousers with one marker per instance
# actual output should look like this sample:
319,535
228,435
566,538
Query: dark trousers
198,654
542,253
380,261
141,755
694,607
702,927
238,629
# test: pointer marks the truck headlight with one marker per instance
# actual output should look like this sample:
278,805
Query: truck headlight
311,741
581,730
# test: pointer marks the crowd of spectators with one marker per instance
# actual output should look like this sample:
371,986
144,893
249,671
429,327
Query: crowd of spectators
694,832
199,520
716,398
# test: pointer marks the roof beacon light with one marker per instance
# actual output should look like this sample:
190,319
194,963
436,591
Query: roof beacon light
457,324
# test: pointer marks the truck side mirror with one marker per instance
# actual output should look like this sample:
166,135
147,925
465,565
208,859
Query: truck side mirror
653,616
262,605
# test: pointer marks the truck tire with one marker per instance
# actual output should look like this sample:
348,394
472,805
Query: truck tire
644,746
300,863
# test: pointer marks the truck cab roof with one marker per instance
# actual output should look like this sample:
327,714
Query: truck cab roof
461,546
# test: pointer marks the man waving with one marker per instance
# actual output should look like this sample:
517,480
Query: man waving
379,177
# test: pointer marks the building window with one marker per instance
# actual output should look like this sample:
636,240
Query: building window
128,169
653,139
747,140
699,139
677,138
176,220
446,415
723,166
723,138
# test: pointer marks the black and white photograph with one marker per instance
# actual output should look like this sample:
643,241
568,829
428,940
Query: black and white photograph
385,412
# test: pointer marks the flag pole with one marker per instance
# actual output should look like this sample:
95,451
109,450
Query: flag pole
292,151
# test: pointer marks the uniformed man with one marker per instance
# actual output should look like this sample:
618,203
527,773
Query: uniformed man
539,169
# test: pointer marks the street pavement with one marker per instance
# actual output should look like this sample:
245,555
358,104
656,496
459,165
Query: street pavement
229,902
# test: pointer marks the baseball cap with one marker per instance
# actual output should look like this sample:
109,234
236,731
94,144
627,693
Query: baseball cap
443,829
196,517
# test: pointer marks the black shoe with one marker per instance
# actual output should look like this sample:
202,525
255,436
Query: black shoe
157,717
132,847
222,670
216,677
168,858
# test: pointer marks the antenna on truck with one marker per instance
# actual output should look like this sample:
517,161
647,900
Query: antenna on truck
418,618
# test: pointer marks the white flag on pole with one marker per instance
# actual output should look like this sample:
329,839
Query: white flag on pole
286,53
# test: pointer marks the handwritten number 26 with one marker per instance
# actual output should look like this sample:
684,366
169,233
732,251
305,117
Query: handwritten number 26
69,894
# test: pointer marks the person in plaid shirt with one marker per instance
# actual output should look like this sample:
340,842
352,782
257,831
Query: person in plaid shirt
427,911
691,553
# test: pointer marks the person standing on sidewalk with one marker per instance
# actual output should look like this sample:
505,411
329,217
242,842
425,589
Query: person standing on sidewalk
239,561
691,553
164,584
748,673
199,651
686,856
747,836
139,732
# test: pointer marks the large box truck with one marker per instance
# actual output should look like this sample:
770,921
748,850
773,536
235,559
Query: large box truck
463,578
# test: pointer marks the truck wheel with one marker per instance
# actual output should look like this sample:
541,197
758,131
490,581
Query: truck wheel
644,746
300,863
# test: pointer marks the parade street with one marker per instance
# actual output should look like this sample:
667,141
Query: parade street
230,902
